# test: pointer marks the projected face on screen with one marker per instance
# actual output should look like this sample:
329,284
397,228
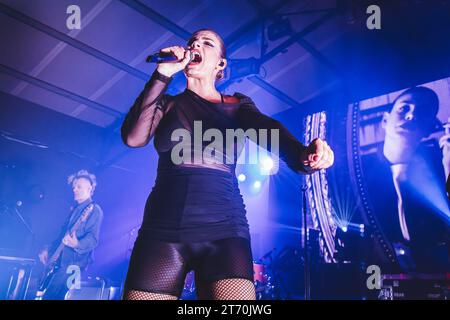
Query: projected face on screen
403,152
411,119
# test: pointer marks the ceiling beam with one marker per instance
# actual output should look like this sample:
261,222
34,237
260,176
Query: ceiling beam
60,91
71,41
157,18
274,91
298,36
238,38
232,42
258,6
319,56
283,46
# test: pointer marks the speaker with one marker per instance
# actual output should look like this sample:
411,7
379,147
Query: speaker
90,289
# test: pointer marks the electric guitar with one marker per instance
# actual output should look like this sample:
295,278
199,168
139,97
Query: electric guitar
52,264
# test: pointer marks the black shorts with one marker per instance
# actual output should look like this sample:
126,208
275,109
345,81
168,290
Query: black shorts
195,205
160,267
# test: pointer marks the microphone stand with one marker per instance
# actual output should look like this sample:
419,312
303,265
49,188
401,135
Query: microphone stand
27,226
305,246
7,208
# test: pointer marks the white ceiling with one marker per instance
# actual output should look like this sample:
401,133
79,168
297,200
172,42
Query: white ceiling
121,32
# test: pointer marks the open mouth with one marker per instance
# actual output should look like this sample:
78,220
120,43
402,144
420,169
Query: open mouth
197,58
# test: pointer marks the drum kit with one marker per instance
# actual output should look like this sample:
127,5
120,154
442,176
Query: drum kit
262,279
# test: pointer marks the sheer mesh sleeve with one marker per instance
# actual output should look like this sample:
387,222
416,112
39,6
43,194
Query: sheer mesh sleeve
144,116
249,116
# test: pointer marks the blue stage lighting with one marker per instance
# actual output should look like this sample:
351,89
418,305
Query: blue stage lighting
241,177
266,164
257,184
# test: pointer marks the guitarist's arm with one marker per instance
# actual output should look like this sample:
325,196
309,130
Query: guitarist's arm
50,247
89,239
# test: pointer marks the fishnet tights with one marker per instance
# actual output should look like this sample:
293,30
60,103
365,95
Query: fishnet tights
142,295
227,289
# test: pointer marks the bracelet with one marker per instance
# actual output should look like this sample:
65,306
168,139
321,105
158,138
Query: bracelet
159,76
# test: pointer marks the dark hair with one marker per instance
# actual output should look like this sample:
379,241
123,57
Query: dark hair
430,97
223,51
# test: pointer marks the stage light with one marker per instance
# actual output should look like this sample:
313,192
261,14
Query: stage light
266,163
241,177
241,68
401,252
344,229
257,184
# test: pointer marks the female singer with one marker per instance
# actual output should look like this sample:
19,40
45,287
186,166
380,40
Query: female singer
195,218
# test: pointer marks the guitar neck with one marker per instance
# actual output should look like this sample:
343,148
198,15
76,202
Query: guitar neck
73,229
57,253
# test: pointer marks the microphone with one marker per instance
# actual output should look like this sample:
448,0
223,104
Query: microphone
161,57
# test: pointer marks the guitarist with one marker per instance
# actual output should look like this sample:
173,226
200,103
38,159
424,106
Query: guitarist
77,246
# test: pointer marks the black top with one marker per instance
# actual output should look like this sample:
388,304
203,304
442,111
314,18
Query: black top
193,186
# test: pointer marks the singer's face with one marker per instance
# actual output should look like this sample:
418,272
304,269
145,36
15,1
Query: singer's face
207,45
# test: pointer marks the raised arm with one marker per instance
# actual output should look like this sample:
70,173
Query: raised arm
144,116
300,158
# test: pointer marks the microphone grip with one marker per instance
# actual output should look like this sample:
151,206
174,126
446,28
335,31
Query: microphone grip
161,57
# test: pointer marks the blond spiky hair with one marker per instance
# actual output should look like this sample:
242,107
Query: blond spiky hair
83,174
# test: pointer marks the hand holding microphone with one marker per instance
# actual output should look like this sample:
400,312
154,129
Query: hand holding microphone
169,68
